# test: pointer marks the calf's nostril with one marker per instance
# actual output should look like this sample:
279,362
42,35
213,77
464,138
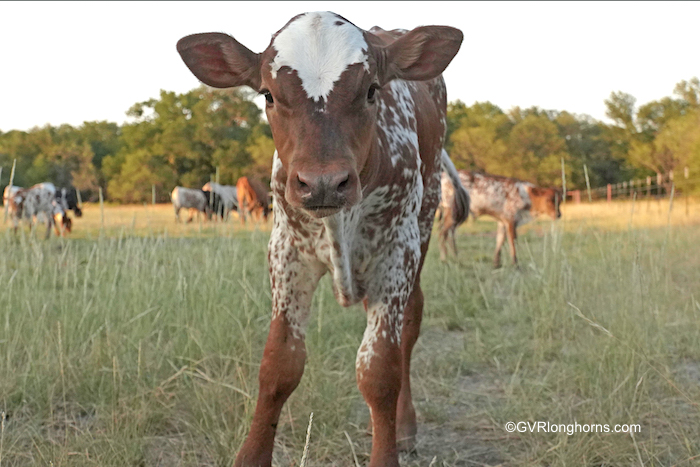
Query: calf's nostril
303,186
344,184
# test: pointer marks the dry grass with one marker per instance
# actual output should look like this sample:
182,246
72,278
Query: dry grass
138,343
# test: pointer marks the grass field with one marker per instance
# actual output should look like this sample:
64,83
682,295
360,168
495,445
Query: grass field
136,342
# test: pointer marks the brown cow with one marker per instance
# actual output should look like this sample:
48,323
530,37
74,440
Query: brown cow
253,199
358,119
510,201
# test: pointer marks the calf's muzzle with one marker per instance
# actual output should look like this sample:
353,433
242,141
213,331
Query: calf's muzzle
323,193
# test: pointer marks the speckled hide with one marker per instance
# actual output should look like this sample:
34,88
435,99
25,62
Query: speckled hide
192,199
358,119
38,202
510,201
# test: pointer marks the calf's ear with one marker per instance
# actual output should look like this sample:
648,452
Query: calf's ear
420,54
220,61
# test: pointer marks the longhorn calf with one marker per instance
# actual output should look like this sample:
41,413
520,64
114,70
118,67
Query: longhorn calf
358,119
510,201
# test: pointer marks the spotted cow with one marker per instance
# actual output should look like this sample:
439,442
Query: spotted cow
39,203
253,199
228,195
358,119
195,201
510,201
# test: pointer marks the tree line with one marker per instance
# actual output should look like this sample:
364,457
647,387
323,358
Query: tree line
188,139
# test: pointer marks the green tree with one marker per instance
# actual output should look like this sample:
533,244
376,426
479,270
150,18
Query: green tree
535,149
183,138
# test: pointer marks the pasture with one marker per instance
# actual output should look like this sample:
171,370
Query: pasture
136,341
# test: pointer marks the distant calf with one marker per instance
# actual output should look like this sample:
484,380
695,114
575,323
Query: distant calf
510,201
253,199
38,202
195,200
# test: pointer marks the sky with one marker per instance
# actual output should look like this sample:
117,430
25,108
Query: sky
70,62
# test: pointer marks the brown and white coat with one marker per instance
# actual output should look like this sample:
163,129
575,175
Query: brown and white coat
510,201
358,120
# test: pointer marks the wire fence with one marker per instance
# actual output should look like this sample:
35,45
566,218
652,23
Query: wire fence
658,187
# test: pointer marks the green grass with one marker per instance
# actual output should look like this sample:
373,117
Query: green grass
138,343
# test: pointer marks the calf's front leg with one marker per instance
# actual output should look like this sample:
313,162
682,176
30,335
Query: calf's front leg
282,366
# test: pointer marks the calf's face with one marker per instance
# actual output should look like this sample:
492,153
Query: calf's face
322,78
545,201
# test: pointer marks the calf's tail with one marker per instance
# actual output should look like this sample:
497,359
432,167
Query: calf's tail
460,203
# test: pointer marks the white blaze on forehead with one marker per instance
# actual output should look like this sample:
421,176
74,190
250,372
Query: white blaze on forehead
319,46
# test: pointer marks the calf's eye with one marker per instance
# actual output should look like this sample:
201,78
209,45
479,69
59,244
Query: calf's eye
370,94
268,97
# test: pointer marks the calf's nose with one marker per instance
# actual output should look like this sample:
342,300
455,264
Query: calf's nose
324,190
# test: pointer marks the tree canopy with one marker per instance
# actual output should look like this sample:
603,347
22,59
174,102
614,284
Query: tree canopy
188,139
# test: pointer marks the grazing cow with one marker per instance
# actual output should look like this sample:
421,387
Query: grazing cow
228,195
195,201
510,201
39,202
358,119
253,199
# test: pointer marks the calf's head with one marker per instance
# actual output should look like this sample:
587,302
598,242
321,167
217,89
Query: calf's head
545,201
322,77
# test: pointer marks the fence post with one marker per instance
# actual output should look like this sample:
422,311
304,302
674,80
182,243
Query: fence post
588,183
12,179
563,180
102,212
686,173
609,193
153,194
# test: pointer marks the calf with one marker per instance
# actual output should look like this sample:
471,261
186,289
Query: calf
510,201
228,196
253,199
358,119
194,200
38,202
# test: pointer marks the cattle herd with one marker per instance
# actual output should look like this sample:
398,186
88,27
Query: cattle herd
358,178
249,198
